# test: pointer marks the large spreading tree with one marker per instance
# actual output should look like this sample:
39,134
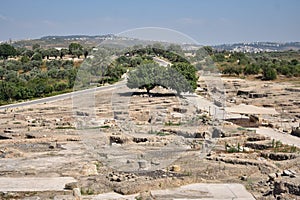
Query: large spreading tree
148,76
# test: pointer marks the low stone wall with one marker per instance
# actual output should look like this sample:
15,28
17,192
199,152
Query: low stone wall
279,156
286,187
258,145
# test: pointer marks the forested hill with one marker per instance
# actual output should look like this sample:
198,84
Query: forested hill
63,41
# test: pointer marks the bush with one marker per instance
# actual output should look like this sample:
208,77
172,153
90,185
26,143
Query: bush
232,70
269,73
60,86
251,69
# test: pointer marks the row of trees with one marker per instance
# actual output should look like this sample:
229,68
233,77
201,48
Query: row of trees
154,50
29,76
38,53
24,67
269,65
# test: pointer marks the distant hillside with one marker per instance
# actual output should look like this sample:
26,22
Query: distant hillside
259,46
78,37
87,40
63,41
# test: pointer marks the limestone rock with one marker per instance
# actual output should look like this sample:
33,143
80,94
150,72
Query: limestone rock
142,164
155,162
217,133
89,170
289,173
272,176
244,178
77,194
175,168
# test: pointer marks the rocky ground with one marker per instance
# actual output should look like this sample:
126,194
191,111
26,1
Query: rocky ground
281,95
133,143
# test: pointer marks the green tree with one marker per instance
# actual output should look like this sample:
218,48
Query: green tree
135,61
77,53
232,69
7,50
45,53
54,52
37,56
284,70
7,91
13,65
148,76
72,73
175,48
20,51
208,50
76,49
53,73
28,53
188,71
40,86
63,52
201,54
86,52
218,57
294,62
115,73
176,81
36,46
60,86
68,64
11,76
251,69
269,73
2,72
158,46
24,59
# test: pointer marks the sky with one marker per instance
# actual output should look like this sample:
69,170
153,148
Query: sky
209,22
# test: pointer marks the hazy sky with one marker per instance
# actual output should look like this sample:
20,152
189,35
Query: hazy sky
207,21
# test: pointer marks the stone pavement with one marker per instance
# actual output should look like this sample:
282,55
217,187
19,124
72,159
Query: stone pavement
283,137
205,191
34,184
200,191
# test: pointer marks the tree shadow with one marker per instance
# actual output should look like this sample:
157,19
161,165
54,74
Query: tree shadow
145,94
154,94
125,94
